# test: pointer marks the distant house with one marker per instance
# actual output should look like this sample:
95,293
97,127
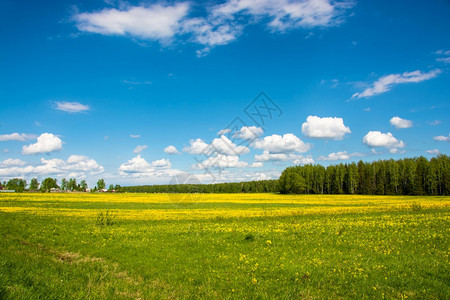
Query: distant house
55,190
104,190
88,190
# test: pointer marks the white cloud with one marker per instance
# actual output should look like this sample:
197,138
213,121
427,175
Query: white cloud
222,24
341,155
71,107
282,144
444,56
379,139
139,149
442,138
386,83
285,14
325,128
249,132
135,136
401,123
433,152
257,165
12,162
75,166
46,143
435,123
155,22
171,150
224,131
139,167
221,145
295,158
196,146
16,137
220,161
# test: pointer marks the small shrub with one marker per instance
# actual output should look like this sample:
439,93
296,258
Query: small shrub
416,206
105,218
249,237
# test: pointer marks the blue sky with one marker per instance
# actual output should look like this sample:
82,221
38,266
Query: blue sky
84,83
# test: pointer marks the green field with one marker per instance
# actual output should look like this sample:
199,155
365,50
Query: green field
233,246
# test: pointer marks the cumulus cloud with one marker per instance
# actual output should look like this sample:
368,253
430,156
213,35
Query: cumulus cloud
71,107
220,161
385,83
401,123
249,132
341,155
282,144
433,152
295,158
221,145
442,138
256,165
222,24
21,137
139,167
74,166
379,139
12,162
155,22
171,150
46,143
325,128
139,149
196,146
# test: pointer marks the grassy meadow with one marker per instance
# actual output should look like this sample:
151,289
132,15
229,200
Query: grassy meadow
224,246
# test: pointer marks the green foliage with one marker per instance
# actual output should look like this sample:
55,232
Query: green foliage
106,218
34,184
261,186
101,184
48,184
409,176
16,184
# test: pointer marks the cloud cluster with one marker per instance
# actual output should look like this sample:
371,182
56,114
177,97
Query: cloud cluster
221,145
71,107
282,144
325,128
222,23
74,166
139,167
46,143
341,155
379,139
297,159
386,83
401,123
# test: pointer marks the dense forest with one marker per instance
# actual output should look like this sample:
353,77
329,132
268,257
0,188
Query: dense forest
409,176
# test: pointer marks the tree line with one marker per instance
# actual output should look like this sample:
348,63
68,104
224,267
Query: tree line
409,176
49,184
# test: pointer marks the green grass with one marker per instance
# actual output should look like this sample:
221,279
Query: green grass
401,253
